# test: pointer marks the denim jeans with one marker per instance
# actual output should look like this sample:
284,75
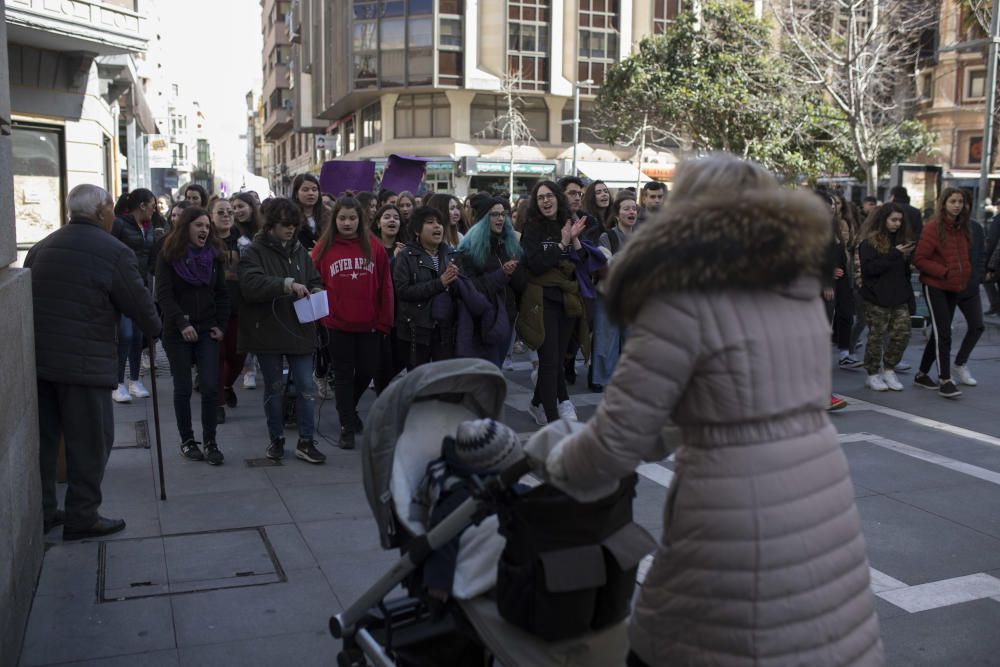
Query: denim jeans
129,349
204,353
300,367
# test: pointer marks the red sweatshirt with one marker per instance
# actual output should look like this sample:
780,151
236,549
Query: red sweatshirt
359,290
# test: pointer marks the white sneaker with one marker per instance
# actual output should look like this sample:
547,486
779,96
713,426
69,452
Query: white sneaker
137,389
145,360
568,412
538,412
121,395
876,383
250,380
962,375
891,381
508,364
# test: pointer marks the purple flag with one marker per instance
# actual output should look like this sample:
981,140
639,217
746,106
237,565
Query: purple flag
340,175
403,172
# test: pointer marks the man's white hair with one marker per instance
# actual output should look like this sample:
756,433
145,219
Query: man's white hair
84,201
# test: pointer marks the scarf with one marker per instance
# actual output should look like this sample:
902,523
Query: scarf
195,267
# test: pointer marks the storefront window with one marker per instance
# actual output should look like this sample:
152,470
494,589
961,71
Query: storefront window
38,182
371,124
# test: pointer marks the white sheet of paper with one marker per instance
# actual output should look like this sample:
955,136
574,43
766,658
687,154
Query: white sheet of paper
312,308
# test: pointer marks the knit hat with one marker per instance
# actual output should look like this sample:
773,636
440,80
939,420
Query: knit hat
483,446
481,204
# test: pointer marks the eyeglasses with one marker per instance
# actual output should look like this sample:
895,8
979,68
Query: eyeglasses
574,193
225,212
496,214
545,197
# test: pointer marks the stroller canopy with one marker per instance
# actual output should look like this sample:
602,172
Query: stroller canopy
473,383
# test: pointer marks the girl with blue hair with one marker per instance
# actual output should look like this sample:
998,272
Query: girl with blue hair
490,255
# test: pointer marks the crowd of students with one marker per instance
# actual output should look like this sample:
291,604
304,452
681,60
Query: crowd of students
412,279
872,286
408,280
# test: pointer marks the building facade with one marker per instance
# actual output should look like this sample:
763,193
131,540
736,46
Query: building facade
427,78
951,87
78,106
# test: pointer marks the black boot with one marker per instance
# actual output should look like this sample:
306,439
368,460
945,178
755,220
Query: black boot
346,438
276,450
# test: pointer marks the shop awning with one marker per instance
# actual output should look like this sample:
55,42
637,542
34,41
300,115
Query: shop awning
614,174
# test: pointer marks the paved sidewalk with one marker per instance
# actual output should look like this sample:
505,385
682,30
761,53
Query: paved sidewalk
239,566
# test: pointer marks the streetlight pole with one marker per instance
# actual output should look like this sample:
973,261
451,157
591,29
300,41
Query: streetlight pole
991,99
576,116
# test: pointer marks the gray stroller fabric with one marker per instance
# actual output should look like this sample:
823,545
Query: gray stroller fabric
474,383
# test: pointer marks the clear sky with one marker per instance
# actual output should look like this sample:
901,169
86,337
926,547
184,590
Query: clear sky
213,49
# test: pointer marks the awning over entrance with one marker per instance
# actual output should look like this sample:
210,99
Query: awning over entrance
614,174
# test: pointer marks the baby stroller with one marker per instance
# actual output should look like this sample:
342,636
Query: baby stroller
405,430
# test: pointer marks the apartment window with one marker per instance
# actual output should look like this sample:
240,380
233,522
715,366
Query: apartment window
528,42
393,43
975,84
664,13
927,86
969,148
371,124
598,47
450,43
588,123
487,108
422,116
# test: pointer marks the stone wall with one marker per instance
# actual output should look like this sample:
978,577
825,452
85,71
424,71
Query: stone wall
21,543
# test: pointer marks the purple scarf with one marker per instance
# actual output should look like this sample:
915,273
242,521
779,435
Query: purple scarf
195,267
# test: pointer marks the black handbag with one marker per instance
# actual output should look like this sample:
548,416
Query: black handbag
569,568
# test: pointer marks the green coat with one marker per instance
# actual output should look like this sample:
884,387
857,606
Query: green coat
531,321
268,324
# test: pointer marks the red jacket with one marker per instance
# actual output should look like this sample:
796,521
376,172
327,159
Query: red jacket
359,290
943,264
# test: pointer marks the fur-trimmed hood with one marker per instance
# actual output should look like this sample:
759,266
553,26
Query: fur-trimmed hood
751,241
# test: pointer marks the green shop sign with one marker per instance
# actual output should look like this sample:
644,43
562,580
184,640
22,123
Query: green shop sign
519,168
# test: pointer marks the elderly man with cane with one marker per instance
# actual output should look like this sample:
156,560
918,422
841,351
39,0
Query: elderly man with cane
82,280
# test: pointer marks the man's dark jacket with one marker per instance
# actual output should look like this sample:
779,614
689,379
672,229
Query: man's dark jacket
82,278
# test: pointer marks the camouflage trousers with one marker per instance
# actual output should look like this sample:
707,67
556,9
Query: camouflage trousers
894,321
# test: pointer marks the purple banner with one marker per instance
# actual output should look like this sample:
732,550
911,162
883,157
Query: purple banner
337,176
403,172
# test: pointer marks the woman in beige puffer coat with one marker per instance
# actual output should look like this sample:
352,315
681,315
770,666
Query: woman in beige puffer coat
762,561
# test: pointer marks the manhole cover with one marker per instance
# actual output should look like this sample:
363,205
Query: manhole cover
185,563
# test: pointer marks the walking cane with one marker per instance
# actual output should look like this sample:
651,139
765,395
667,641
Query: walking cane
156,415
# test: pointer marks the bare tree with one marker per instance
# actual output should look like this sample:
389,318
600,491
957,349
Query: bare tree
510,126
861,55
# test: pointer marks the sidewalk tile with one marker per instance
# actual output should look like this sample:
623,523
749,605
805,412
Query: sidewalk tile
326,501
87,630
302,649
338,536
216,511
289,547
303,603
